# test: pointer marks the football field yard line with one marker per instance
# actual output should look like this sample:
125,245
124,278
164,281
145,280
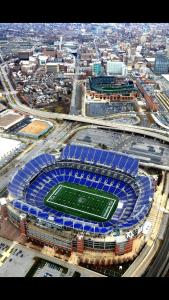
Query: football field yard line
68,187
61,186
83,211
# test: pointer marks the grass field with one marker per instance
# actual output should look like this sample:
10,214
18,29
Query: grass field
81,201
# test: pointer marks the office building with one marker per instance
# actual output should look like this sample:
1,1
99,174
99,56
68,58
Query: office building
167,47
96,68
25,54
161,65
42,59
52,67
116,68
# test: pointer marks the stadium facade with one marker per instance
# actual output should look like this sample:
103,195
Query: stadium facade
112,85
100,183
109,94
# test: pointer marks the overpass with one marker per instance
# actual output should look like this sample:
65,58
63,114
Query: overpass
150,132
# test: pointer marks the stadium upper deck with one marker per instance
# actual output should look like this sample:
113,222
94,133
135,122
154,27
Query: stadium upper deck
111,172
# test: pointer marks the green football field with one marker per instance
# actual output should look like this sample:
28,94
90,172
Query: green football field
81,201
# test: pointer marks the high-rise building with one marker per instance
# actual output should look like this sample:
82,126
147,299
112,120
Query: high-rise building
96,68
161,65
99,30
49,51
52,67
60,44
143,39
116,68
25,54
167,47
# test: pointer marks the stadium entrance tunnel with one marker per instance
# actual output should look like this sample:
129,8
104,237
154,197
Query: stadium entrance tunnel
81,201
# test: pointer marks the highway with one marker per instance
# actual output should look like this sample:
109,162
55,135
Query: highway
161,262
73,109
83,100
1,56
60,134
50,144
151,132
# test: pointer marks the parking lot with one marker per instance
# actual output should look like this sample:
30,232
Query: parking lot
18,261
14,262
48,269
146,149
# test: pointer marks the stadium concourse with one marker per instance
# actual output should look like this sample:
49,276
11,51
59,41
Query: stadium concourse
106,201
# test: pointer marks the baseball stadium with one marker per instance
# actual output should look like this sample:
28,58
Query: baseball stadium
107,95
88,199
111,85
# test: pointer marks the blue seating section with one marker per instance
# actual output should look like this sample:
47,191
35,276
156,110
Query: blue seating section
30,193
126,216
143,202
116,161
30,170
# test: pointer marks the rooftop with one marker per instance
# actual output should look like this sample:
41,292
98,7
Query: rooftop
165,76
150,59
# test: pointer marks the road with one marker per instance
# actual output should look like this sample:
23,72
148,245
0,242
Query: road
48,145
96,48
160,263
16,269
155,133
73,107
1,56
83,102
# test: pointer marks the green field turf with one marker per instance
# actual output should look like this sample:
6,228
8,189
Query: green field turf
81,201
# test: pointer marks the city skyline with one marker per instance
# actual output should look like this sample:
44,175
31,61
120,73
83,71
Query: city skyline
84,164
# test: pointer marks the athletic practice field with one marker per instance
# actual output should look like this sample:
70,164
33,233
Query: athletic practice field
81,201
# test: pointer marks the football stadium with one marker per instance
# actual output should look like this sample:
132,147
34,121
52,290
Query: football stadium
87,199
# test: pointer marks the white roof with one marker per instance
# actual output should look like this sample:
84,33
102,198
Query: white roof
115,62
150,59
24,62
52,64
139,48
7,146
2,201
138,54
32,58
43,57
166,76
